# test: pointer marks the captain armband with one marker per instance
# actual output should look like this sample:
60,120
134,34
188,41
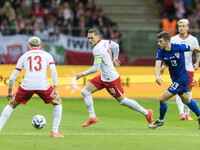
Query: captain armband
97,60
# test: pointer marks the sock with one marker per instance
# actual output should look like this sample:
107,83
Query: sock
193,106
163,110
187,109
5,115
180,104
57,115
133,105
88,102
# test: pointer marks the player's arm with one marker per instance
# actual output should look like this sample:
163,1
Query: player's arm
12,82
93,69
54,77
196,65
195,48
163,68
157,71
114,47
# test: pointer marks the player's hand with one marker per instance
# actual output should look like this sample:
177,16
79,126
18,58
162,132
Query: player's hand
79,75
9,96
159,80
116,62
162,71
196,66
54,93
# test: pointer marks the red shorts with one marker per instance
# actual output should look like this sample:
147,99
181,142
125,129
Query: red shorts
191,74
113,87
22,96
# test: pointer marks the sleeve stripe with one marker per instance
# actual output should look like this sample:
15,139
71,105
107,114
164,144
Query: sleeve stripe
51,63
18,69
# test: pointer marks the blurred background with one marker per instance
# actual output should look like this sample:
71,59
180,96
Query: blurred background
63,24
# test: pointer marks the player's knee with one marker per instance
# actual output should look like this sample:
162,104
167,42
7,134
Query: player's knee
122,102
85,92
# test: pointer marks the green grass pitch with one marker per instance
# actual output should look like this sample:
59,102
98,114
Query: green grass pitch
119,128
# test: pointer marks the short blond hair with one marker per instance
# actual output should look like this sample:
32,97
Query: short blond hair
183,21
34,41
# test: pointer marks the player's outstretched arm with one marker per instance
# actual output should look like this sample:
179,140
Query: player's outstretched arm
93,69
157,71
195,48
54,93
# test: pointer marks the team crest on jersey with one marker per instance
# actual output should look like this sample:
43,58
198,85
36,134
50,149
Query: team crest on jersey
177,55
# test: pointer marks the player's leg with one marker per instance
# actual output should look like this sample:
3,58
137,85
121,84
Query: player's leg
7,111
190,85
190,103
87,91
124,101
187,109
163,109
21,96
180,107
57,115
57,112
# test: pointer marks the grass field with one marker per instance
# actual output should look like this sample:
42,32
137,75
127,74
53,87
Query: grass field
119,128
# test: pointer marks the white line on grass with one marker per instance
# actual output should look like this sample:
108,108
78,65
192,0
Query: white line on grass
104,134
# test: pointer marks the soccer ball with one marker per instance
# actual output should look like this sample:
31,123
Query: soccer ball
38,121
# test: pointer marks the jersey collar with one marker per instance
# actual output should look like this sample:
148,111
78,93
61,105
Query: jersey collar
35,49
184,38
97,42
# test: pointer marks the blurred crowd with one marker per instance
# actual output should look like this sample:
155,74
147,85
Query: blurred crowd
173,10
45,18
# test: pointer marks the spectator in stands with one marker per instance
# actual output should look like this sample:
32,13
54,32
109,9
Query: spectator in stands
37,10
19,24
42,33
51,24
193,23
114,32
5,27
89,5
2,15
23,10
197,13
169,24
180,9
33,25
9,11
80,10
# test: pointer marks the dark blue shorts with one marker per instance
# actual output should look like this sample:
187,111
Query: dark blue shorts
178,88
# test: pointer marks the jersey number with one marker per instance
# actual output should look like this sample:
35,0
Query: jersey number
38,59
173,62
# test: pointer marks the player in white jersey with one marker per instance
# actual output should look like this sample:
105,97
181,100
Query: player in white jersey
184,38
35,62
109,78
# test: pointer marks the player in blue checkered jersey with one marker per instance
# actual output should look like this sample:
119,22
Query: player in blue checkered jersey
173,56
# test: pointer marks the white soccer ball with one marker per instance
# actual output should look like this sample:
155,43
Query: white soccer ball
38,121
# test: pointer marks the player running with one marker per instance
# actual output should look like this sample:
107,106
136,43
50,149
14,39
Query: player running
173,56
35,62
109,78
184,38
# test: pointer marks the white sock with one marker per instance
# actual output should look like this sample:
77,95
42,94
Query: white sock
57,115
180,104
133,105
88,102
187,109
5,115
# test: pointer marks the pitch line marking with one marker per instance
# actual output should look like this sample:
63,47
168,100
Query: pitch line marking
103,134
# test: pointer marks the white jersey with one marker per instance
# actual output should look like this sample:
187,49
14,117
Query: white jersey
189,40
102,50
35,63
